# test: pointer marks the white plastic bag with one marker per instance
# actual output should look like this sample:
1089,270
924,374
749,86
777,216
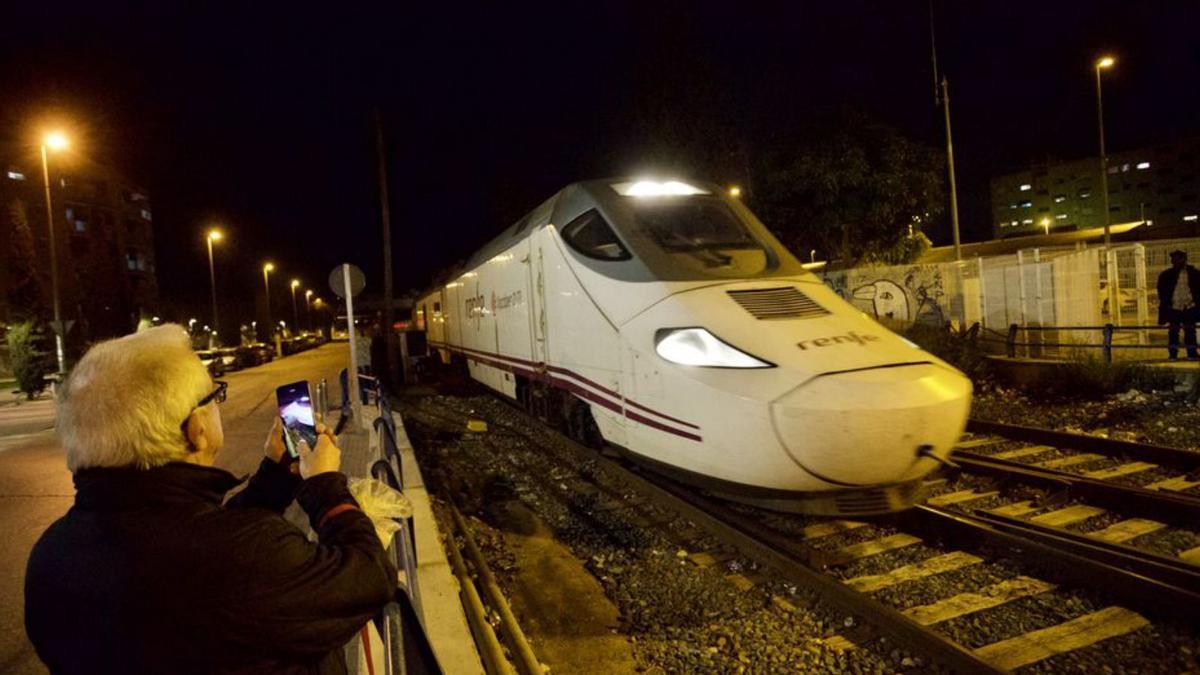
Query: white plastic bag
382,504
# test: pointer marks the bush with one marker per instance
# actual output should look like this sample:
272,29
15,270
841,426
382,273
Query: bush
1085,375
29,364
958,347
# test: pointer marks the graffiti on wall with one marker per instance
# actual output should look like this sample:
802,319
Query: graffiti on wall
909,294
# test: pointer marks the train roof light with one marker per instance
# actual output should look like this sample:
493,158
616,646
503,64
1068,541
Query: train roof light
653,188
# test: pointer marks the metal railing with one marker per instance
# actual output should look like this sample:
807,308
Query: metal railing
400,623
1107,340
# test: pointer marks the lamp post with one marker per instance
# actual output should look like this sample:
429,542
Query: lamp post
267,269
1102,64
295,312
308,308
213,235
54,141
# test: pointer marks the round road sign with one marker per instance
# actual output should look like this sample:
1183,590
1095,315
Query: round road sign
337,282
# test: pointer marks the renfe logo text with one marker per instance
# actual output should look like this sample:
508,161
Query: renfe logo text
851,338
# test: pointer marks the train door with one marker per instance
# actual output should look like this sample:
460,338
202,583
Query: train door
539,347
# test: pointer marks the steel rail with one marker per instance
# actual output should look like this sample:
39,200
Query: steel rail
526,661
1172,507
1174,571
1076,564
1175,458
747,537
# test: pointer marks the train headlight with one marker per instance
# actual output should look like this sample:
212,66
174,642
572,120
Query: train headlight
698,347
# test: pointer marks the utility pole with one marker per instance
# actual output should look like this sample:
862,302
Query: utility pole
942,95
59,328
950,167
386,225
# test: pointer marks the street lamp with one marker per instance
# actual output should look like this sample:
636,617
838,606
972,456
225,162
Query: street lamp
735,191
267,269
295,312
308,308
1103,63
1045,224
54,141
213,235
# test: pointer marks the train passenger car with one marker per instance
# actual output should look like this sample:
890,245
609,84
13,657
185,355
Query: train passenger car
662,318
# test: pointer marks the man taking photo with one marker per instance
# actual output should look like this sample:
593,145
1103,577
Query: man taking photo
150,573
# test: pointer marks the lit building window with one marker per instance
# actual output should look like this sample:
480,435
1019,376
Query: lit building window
1058,199
1012,206
1027,221
146,214
1114,169
1191,218
1061,216
1143,165
1013,223
1124,168
1084,194
1026,204
1025,187
16,175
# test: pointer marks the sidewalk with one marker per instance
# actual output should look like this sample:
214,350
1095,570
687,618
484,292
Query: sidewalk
21,420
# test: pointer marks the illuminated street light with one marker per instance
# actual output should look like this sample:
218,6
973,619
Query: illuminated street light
295,312
735,191
267,269
1045,224
308,308
1103,63
54,140
213,235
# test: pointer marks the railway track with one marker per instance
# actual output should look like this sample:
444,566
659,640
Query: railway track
1015,555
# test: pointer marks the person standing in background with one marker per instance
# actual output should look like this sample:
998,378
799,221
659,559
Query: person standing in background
1178,291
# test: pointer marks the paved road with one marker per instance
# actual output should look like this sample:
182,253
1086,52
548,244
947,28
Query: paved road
36,488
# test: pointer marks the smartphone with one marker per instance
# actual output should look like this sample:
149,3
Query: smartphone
296,411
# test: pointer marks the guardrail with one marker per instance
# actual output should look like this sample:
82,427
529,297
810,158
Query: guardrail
1107,339
400,623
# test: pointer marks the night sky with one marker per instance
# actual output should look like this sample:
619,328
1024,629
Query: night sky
260,119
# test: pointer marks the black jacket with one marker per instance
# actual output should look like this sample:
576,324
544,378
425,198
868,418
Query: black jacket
149,573
1166,289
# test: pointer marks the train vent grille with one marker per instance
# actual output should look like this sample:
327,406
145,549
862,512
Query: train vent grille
778,303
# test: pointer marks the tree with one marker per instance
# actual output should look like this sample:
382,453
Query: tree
24,295
28,363
855,189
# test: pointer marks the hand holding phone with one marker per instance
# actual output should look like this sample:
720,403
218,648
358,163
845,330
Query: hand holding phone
296,411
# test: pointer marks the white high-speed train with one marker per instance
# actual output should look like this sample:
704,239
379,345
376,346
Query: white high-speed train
662,317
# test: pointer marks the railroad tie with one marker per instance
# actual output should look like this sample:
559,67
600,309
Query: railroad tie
1065,637
1191,555
986,598
1176,484
830,527
951,498
926,568
873,547
1120,470
1127,530
1014,510
1063,462
977,442
1067,516
1022,452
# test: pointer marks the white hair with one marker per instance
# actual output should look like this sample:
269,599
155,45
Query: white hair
126,400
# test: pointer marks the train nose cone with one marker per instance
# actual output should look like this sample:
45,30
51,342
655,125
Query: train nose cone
865,427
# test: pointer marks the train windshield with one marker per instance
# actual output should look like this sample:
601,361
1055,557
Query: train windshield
701,236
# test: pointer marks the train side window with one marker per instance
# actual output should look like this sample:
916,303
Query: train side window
592,236
437,308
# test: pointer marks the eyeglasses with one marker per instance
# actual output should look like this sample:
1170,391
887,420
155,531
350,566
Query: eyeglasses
219,394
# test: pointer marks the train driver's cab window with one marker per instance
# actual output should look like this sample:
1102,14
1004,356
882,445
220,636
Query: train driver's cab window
591,235
437,309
